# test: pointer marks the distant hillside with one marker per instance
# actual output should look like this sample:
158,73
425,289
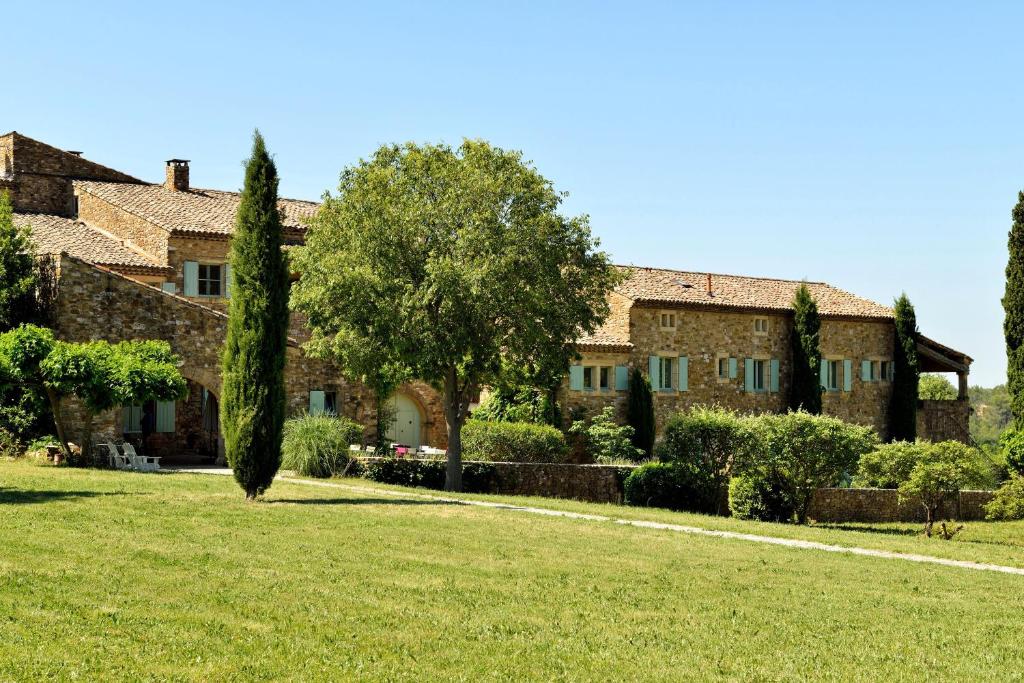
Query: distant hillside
991,415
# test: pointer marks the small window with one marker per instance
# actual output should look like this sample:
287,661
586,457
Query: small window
668,320
667,372
760,368
723,368
331,402
588,378
761,325
873,370
885,370
210,279
604,375
832,375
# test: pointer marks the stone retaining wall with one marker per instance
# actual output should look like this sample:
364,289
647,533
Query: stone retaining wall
882,505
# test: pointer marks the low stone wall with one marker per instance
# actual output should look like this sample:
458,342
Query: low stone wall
883,505
944,420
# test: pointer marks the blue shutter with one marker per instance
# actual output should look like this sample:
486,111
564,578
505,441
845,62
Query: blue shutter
847,374
191,278
169,287
227,280
654,367
576,377
774,381
748,374
165,417
865,371
621,378
824,373
684,373
317,403
732,368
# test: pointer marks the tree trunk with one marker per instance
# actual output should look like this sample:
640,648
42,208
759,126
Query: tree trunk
87,441
58,419
454,416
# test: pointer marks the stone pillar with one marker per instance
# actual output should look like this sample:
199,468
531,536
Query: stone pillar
962,376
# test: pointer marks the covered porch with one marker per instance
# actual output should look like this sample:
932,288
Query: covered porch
939,420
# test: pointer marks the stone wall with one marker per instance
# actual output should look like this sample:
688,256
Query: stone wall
705,336
883,505
136,231
944,420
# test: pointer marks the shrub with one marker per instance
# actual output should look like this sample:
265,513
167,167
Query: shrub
520,404
1012,444
764,499
512,442
606,440
671,485
640,412
1008,502
318,445
943,471
936,388
889,465
478,477
705,439
800,452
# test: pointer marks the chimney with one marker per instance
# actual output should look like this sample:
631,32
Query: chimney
74,152
177,175
709,285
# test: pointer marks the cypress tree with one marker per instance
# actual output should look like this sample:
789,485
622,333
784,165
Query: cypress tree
1013,305
252,394
903,405
640,412
805,390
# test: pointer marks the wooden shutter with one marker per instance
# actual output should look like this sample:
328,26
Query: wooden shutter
169,287
865,371
165,417
317,403
191,278
227,280
732,368
684,373
824,373
847,375
576,377
621,378
773,384
654,370
748,374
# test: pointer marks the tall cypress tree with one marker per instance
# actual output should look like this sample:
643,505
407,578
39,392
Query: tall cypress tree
805,390
1013,305
640,412
903,405
252,395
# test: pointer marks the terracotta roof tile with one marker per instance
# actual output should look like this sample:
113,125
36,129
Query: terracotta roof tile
658,285
194,211
55,235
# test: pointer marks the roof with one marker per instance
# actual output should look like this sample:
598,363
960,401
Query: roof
612,335
56,234
195,211
677,287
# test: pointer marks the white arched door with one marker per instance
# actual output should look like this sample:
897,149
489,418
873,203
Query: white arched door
405,429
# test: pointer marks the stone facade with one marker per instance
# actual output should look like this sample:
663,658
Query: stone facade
706,337
144,236
944,420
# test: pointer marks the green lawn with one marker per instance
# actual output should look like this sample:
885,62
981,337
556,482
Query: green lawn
173,576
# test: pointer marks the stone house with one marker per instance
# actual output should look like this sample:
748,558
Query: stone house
706,339
150,260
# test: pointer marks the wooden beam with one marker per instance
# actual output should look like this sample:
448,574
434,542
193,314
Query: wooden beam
954,366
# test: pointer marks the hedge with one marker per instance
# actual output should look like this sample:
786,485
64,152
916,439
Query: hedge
512,442
477,477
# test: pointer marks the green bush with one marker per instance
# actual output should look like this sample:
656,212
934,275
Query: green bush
606,440
760,498
512,442
1008,503
318,445
705,439
1012,444
798,452
477,477
672,486
889,465
944,470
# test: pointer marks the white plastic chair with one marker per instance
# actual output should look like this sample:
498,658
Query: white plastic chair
117,461
143,463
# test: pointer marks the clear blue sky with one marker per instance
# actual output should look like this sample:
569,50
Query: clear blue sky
874,146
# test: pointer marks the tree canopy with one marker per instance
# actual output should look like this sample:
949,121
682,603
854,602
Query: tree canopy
1013,307
447,262
936,387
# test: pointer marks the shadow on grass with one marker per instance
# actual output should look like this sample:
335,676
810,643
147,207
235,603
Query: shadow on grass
887,531
359,501
22,497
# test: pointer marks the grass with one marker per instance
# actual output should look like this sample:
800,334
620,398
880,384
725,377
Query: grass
112,575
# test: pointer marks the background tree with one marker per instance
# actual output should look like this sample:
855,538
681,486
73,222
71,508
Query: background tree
17,269
451,260
903,405
936,388
252,394
640,412
805,390
943,470
1013,306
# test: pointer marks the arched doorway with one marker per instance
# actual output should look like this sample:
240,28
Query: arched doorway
407,427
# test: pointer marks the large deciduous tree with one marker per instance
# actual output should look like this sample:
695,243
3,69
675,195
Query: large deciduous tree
451,261
252,366
903,404
805,390
1013,306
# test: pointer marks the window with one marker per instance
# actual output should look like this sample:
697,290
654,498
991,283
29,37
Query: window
761,325
604,380
588,378
723,368
832,375
873,369
209,279
760,367
132,419
666,372
885,370
668,320
331,402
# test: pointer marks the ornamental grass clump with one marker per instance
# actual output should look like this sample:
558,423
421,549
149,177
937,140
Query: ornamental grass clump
318,445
